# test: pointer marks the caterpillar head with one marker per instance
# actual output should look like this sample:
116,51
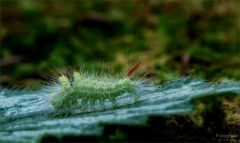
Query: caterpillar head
64,81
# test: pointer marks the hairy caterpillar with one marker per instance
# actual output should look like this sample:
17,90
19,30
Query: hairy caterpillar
83,90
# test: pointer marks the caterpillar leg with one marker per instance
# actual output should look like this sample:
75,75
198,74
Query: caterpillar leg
101,102
114,103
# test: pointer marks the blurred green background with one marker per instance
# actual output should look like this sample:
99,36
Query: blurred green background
170,38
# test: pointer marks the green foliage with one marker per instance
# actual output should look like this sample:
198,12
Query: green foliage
30,117
59,33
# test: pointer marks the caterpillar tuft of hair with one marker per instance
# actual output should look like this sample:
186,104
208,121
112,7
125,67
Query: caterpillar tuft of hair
84,90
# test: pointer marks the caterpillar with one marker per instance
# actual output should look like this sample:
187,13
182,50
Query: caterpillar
83,90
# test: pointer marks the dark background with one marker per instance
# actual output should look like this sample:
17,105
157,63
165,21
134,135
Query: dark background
172,37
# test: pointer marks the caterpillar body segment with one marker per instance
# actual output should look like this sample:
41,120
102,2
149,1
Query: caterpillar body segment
83,91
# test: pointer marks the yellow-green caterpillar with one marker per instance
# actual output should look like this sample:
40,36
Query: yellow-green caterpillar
83,91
